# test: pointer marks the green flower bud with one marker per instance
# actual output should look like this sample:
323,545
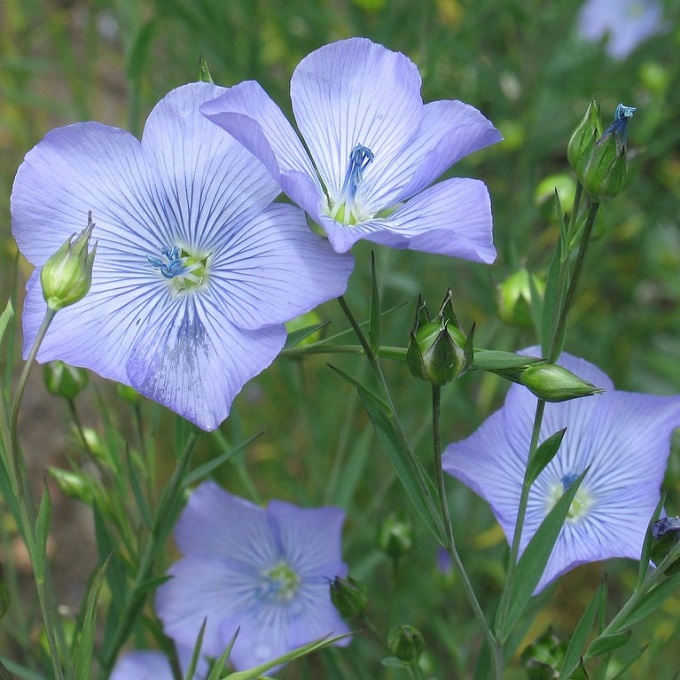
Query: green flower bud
551,382
128,394
438,350
406,643
67,275
395,537
544,656
348,596
514,298
73,485
63,380
583,139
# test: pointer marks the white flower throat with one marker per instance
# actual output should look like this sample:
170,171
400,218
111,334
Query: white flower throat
346,209
186,271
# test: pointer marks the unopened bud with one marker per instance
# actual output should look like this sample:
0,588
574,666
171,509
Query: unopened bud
67,275
395,537
63,380
666,535
584,138
348,596
551,382
406,643
438,350
73,485
514,297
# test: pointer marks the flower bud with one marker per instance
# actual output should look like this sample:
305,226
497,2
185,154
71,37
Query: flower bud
128,394
584,138
348,596
63,380
665,534
551,382
73,485
438,350
395,537
514,298
406,643
67,275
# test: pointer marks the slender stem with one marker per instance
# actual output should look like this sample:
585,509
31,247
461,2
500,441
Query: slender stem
573,283
26,520
79,425
496,652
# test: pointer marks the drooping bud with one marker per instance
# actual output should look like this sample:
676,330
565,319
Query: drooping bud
348,596
514,297
67,275
395,537
64,380
438,350
406,643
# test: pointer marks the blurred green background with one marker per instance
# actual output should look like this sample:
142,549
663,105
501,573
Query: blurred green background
520,62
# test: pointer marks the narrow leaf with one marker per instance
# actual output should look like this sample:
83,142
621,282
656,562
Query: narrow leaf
647,544
543,455
651,601
573,653
496,360
551,301
608,643
204,470
85,649
531,565
42,530
623,672
296,337
140,498
196,655
5,318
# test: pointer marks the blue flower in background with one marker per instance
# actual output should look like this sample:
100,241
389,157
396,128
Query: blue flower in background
196,270
623,436
372,145
626,23
265,572
154,665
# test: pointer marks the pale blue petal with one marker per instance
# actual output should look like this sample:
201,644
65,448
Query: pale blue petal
451,218
355,92
188,357
273,269
310,539
216,524
247,113
143,665
209,180
449,131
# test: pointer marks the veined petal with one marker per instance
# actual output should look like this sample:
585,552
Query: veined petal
310,538
80,168
302,270
247,113
188,357
245,538
209,180
143,665
355,92
449,131
451,218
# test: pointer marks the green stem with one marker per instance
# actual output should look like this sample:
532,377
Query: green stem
496,651
162,522
26,521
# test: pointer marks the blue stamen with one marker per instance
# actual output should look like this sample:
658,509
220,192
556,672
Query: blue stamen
174,265
568,480
359,159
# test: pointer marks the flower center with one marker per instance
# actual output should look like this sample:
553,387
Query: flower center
345,209
581,504
186,271
278,584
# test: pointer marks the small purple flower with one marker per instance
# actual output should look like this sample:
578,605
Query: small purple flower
263,572
623,436
372,145
627,23
154,665
196,270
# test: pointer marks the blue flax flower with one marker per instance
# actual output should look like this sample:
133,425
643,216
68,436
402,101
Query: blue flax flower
369,144
263,572
196,270
154,665
626,23
623,436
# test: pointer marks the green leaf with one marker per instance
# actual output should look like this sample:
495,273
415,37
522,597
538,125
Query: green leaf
623,672
374,318
296,337
254,673
196,655
85,648
140,498
651,601
531,565
416,483
19,671
42,530
608,643
573,653
543,455
5,318
647,544
495,360
204,470
551,301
